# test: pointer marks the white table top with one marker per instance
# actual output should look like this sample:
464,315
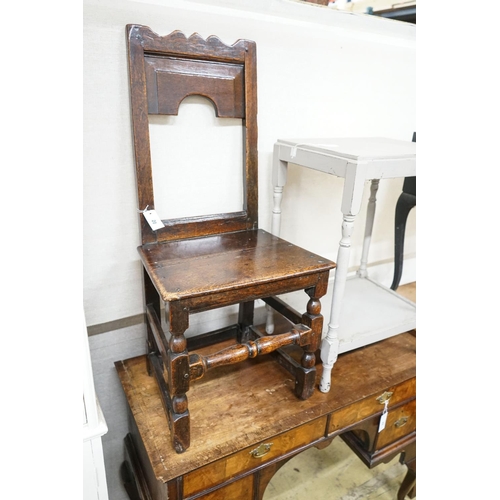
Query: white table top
356,148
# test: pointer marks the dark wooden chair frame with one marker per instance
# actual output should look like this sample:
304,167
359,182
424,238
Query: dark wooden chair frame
244,262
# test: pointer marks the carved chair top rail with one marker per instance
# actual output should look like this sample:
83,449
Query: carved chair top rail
177,43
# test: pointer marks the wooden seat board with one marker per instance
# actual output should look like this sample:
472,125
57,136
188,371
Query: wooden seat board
194,267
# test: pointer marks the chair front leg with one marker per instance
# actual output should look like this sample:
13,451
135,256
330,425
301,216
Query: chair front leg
305,382
178,377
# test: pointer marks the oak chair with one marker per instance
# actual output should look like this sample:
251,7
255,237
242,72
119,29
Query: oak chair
200,263
406,201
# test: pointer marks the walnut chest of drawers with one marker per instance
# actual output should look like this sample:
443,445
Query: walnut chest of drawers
247,422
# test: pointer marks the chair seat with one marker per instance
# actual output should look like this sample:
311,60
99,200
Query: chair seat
246,260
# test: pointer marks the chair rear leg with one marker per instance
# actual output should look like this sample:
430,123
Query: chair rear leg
245,321
151,298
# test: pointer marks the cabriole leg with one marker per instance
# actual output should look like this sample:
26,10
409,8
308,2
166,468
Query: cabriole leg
403,207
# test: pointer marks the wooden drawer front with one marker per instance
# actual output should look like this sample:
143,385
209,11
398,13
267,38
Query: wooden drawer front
239,490
371,405
400,422
242,461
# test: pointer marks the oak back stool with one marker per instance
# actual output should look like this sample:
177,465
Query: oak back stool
199,263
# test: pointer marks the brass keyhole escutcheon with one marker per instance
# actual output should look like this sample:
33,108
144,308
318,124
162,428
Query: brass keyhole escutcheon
261,450
402,421
384,397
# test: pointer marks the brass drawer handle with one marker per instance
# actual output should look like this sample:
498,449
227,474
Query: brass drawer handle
261,450
402,421
384,397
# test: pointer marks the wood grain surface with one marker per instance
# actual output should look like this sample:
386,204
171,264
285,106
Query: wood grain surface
237,406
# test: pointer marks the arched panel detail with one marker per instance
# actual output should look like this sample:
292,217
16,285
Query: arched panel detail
222,83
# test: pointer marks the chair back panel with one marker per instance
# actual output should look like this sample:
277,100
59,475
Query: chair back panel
163,71
170,80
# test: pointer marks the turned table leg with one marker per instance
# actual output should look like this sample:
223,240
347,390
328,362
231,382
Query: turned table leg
280,171
275,229
351,203
370,217
330,344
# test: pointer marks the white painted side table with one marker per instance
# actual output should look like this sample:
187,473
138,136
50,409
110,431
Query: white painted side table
362,310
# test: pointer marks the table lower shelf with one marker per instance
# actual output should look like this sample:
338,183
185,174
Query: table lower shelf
370,312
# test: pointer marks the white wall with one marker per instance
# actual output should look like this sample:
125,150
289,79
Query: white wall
320,73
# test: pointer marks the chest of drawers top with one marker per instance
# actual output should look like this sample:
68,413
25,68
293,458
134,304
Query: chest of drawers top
254,401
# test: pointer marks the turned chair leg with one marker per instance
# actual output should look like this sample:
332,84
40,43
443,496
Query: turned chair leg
178,378
306,378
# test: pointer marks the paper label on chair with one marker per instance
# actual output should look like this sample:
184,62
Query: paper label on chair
153,220
383,418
